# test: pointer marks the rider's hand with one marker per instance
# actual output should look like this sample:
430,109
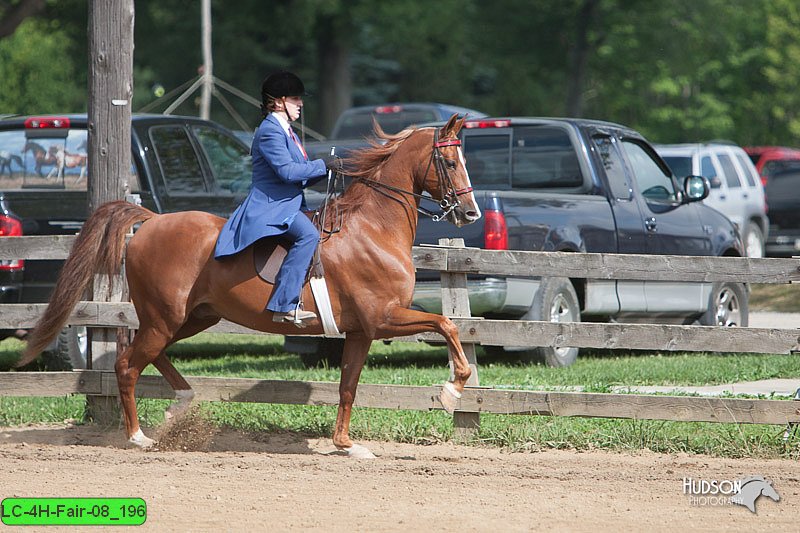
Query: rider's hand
333,162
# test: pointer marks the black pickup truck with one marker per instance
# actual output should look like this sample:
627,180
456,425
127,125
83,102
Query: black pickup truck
178,163
573,185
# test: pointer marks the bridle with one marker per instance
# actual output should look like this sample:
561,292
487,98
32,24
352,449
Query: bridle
449,201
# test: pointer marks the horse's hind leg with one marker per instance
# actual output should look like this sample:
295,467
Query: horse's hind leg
355,353
147,345
183,391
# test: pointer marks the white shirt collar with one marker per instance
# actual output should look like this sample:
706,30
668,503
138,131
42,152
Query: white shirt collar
282,121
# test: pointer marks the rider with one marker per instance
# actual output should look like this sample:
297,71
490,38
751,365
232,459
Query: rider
281,170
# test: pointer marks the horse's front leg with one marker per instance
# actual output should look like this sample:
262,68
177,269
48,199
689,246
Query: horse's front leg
356,348
401,321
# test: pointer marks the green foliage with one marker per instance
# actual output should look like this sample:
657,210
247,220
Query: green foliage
685,70
37,74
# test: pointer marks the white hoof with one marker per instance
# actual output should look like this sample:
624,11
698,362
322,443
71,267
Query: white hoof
356,451
183,400
139,440
449,397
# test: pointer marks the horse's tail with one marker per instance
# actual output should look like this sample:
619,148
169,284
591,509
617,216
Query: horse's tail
97,250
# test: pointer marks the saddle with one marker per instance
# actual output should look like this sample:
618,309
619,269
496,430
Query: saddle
268,255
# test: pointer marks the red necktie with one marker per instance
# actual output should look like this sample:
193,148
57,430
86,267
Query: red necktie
297,142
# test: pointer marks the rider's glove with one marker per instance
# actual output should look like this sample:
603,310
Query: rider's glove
333,162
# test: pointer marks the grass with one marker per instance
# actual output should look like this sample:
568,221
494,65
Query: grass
412,364
780,298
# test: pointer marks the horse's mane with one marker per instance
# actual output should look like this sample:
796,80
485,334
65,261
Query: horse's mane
368,163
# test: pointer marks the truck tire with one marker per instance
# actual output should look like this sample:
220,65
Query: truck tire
69,351
329,351
753,240
555,301
727,306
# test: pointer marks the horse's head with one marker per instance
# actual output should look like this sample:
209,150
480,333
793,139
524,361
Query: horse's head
447,180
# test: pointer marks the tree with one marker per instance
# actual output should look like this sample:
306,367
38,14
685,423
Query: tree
37,72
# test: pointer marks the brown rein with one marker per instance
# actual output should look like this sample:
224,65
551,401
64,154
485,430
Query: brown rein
450,199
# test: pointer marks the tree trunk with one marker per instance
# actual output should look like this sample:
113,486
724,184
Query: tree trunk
335,83
578,59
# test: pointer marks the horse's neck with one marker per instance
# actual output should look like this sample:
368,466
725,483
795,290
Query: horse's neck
390,210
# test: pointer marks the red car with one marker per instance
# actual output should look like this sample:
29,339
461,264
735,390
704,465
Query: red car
771,159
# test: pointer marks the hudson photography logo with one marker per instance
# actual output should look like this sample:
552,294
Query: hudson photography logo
745,491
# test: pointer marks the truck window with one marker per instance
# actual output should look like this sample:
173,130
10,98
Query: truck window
488,160
729,171
44,160
707,169
543,157
230,162
654,183
614,167
680,165
180,168
748,171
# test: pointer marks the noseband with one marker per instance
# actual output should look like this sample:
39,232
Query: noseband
450,199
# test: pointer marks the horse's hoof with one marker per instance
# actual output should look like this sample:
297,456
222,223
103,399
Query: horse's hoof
449,397
139,440
356,451
180,406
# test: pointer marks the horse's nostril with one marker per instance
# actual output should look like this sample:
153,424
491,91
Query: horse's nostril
473,215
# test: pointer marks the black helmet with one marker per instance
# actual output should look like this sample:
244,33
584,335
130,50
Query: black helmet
282,83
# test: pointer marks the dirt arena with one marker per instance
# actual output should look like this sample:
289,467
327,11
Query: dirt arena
210,480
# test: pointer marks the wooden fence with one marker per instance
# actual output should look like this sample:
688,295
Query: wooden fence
455,263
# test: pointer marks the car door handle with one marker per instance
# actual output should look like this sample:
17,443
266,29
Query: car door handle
650,224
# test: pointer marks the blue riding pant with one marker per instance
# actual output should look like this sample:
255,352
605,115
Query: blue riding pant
289,281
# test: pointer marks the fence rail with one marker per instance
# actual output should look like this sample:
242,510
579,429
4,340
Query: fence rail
459,262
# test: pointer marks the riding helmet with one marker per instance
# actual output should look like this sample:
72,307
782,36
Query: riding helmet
282,83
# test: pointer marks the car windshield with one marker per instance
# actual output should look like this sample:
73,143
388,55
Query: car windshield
681,166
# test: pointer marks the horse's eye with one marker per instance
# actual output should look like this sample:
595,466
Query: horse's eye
451,163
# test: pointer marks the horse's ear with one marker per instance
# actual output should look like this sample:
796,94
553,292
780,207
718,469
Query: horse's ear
449,129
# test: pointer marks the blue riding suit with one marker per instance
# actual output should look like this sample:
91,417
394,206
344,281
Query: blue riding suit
273,207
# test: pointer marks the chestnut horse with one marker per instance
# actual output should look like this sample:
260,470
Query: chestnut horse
179,289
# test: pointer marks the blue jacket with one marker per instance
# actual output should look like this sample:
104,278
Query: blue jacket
280,171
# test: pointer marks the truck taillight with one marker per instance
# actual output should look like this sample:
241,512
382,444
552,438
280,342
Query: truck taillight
10,227
385,109
495,231
487,123
47,122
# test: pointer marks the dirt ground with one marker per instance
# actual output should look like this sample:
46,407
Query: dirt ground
204,479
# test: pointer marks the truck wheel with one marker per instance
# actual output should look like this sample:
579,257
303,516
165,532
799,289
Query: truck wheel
556,301
754,240
727,306
329,350
69,351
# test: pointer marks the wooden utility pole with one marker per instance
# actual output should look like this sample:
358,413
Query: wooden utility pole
110,35
208,63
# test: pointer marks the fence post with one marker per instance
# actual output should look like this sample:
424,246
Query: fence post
455,304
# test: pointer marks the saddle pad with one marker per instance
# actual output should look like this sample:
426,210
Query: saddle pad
268,255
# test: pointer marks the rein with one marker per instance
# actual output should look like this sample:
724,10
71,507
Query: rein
437,160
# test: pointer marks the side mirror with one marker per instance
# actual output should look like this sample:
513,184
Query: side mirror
696,188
